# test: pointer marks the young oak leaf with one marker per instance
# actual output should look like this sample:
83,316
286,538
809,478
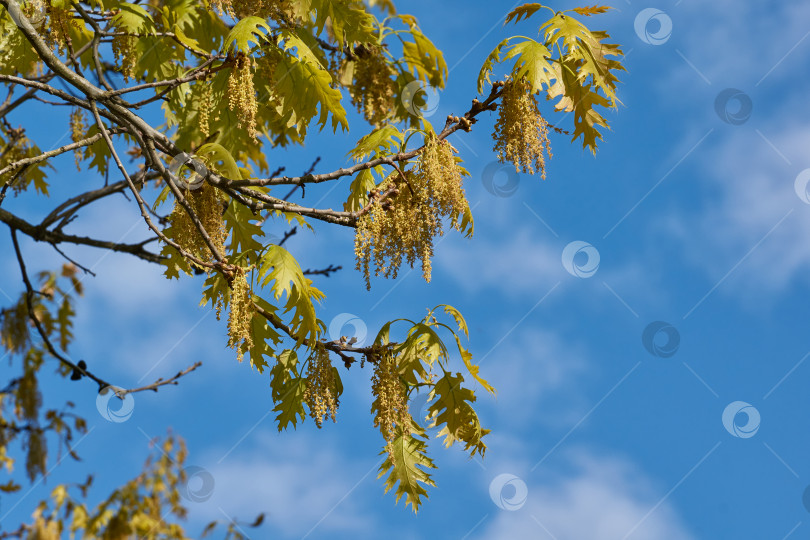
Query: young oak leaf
522,12
407,468
283,371
348,19
132,18
216,291
423,346
452,407
425,60
246,32
580,99
262,334
239,221
362,184
587,11
173,260
302,87
494,57
532,63
586,47
295,42
457,316
218,157
466,357
383,139
279,267
287,390
291,405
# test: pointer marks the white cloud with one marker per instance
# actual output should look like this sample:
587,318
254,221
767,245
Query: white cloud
301,484
601,498
758,211
716,37
516,265
745,174
537,367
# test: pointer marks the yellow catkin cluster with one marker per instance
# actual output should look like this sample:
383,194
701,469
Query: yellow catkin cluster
321,393
14,330
44,529
61,21
77,132
241,314
207,206
205,106
279,10
392,400
373,89
34,10
404,226
21,148
28,397
37,455
242,94
521,133
125,55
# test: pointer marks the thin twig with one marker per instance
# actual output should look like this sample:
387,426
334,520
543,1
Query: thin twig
32,315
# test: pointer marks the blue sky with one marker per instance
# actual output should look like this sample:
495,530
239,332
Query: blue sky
698,210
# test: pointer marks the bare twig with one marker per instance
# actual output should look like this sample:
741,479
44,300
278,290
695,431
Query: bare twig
41,234
78,367
160,382
32,315
324,271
